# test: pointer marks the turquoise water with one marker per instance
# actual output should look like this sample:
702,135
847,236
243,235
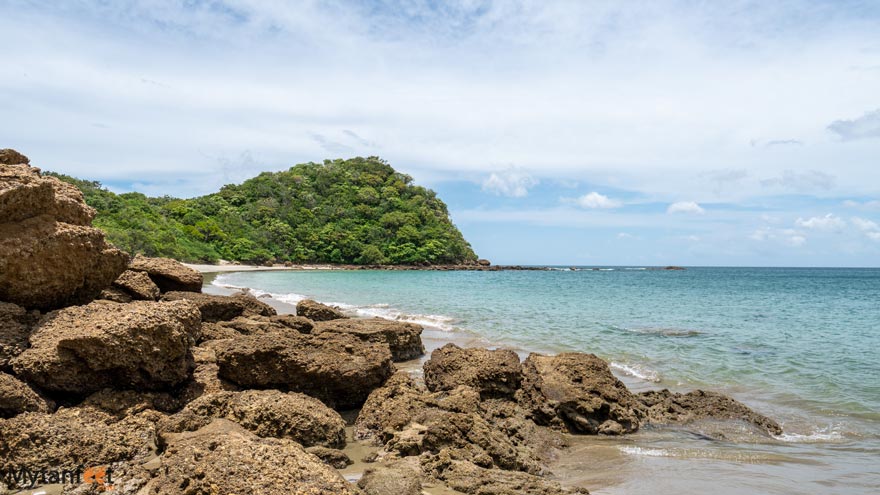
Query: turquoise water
801,345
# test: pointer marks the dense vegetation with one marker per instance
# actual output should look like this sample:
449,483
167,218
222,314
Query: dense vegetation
344,211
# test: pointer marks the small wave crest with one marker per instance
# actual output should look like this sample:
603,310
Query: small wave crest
819,435
637,371
633,450
662,331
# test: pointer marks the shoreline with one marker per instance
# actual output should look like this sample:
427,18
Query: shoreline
232,267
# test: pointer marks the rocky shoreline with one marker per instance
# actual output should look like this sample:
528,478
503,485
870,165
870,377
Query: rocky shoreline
120,375
486,267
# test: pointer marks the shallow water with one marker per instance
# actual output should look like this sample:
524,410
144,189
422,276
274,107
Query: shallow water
800,345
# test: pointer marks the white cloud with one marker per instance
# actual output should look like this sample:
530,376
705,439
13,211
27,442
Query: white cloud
865,127
596,200
790,237
864,224
513,183
828,222
685,207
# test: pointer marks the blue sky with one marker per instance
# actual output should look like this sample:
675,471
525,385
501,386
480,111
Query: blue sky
694,133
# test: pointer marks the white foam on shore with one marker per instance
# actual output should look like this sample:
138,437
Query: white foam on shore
820,435
386,311
637,370
633,450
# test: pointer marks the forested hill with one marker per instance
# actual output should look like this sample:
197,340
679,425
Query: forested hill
356,211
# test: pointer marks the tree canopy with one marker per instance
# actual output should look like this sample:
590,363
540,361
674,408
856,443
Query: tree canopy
357,211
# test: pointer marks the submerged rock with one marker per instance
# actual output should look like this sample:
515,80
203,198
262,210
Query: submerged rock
665,407
224,458
82,349
222,308
495,373
316,311
578,393
403,339
338,369
168,274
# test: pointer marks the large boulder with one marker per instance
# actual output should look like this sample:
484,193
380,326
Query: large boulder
663,407
82,349
15,327
168,274
253,325
270,413
138,285
390,407
494,373
222,308
12,157
316,311
338,369
25,193
17,397
47,264
578,393
403,339
224,458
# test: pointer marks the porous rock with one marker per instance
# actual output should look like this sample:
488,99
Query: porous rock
15,327
82,349
399,478
316,311
222,308
138,285
332,457
403,339
665,407
494,373
168,274
17,397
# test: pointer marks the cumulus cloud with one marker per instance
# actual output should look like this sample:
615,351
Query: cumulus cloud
809,180
865,127
685,207
868,227
829,222
513,183
596,200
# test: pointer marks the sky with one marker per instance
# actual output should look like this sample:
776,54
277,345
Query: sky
558,132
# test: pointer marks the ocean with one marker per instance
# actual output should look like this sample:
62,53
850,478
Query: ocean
801,345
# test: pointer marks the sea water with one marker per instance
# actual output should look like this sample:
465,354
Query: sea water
800,345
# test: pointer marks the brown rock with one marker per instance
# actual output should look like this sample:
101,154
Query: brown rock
47,264
270,413
168,274
338,369
484,262
390,407
122,403
138,285
25,193
115,294
224,458
578,393
12,157
466,477
15,327
665,407
332,457
17,397
403,339
398,478
222,308
82,349
74,436
495,373
316,311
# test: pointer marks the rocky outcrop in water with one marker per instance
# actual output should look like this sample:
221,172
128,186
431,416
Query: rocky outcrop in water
316,311
492,373
662,407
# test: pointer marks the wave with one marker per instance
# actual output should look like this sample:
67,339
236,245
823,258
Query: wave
386,311
820,435
662,331
633,450
638,371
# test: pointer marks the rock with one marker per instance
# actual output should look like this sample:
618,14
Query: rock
82,349
484,262
17,397
115,294
168,274
15,327
665,407
123,403
46,264
270,413
578,393
338,369
25,193
466,477
299,323
495,373
138,285
403,339
224,458
222,308
316,311
398,478
332,457
253,325
12,157
74,436
391,407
